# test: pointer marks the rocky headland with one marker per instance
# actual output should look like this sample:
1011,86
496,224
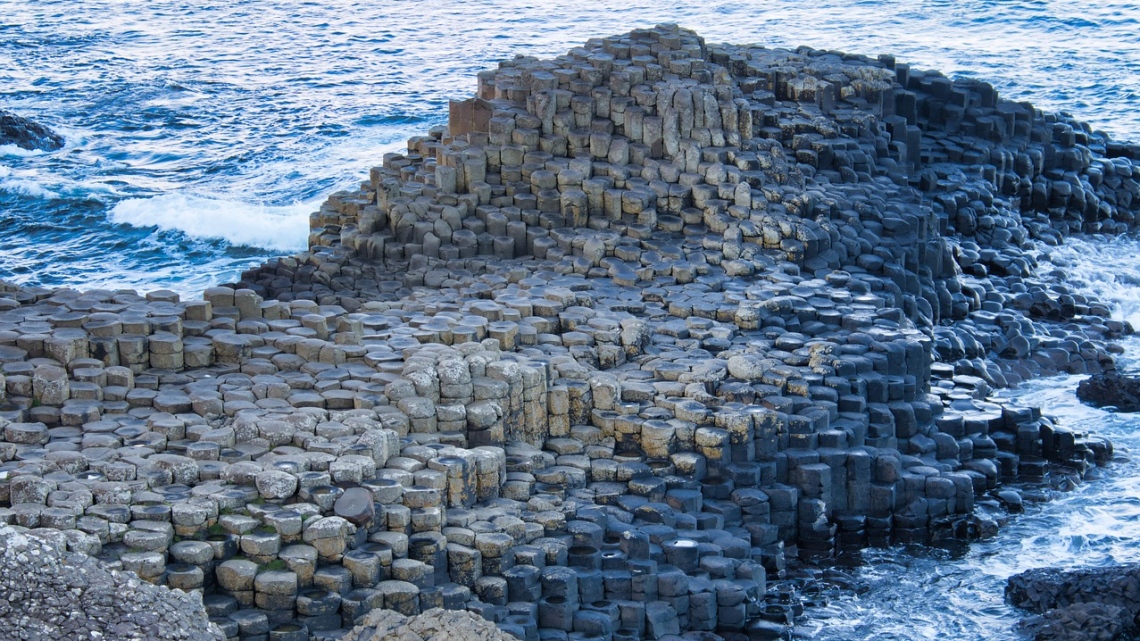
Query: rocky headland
642,325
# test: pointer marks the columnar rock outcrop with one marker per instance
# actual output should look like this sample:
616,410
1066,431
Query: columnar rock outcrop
595,359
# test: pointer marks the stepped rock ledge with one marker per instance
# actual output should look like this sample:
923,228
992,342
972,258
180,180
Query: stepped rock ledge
646,330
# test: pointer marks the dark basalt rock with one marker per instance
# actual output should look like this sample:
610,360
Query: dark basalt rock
355,506
1093,603
1080,621
27,134
1111,389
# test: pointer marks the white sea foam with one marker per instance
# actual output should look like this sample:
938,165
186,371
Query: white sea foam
36,182
281,229
1103,268
17,183
15,150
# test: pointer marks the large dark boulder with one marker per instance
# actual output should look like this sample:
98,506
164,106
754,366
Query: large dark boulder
27,134
1078,605
1111,389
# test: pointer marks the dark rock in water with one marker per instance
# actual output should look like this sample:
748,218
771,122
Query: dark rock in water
1102,390
1011,499
27,134
1094,603
1080,621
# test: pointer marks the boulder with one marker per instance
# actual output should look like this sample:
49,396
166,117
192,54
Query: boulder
436,624
27,134
1111,389
355,506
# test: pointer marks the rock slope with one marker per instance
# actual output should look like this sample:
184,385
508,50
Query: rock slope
50,593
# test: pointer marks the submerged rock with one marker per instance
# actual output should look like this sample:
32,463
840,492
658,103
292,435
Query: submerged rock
1111,390
27,134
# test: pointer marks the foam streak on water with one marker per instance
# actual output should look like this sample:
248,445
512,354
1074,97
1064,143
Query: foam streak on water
1107,269
264,106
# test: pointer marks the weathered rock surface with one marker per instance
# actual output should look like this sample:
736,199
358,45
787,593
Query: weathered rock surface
47,592
1111,390
436,624
27,134
1081,622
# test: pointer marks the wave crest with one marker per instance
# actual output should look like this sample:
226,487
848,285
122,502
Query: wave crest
281,228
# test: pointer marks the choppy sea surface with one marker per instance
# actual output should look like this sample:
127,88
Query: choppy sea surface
200,135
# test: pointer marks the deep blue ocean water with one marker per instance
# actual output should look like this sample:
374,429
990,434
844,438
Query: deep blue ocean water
201,134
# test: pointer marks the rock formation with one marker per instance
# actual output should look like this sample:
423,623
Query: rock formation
1111,390
1078,605
50,593
642,324
27,134
433,625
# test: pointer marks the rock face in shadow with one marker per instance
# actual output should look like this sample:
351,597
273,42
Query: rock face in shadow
1111,389
1074,605
27,134
49,593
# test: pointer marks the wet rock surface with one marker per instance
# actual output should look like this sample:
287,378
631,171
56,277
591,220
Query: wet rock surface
27,134
1093,603
644,325
1111,390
